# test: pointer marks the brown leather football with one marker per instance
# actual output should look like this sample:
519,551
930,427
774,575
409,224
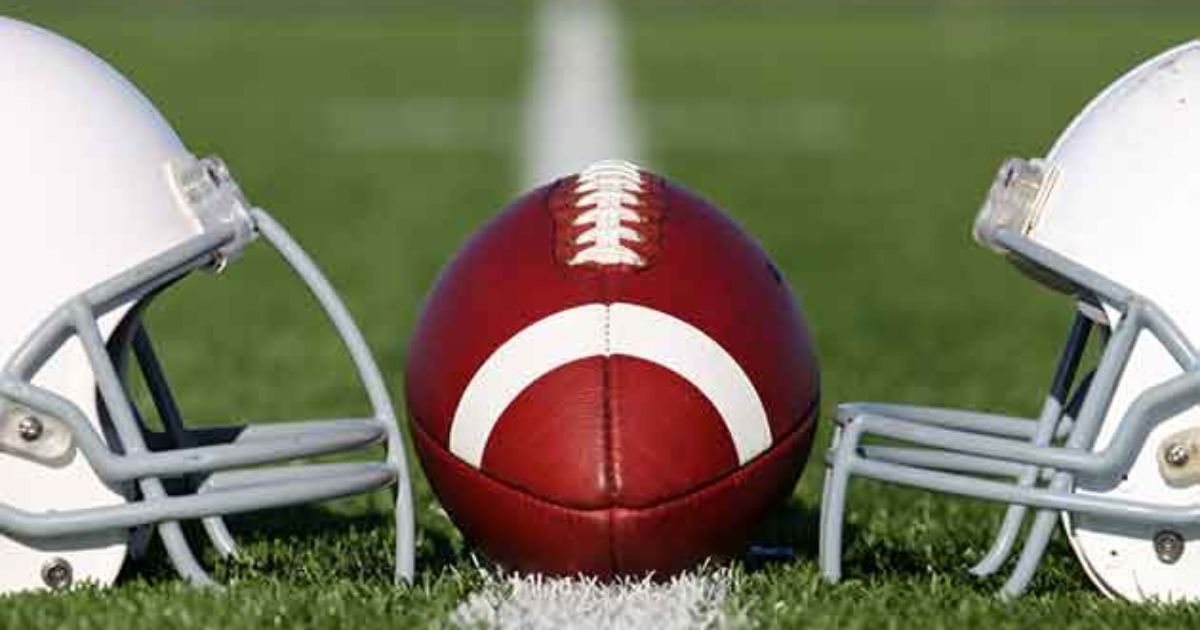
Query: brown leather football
611,378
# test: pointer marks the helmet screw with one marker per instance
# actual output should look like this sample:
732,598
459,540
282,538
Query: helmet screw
1177,455
30,428
57,574
1168,545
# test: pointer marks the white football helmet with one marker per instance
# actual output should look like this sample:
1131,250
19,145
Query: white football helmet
104,207
1110,215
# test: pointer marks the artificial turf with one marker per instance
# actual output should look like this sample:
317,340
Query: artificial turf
854,142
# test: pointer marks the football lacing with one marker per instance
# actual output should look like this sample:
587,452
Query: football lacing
608,191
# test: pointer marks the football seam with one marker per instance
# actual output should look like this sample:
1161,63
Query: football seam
807,417
610,477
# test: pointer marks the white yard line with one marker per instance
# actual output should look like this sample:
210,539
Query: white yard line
692,600
578,109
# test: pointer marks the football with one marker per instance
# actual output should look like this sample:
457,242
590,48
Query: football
611,378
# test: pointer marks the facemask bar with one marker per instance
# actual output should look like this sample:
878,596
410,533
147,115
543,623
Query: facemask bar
963,452
215,451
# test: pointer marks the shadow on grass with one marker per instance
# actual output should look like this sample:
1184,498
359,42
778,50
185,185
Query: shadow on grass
316,545
308,544
915,548
790,533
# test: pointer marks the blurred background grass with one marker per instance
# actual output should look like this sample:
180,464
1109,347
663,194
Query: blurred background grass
855,141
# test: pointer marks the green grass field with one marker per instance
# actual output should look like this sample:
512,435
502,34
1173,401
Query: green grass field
856,143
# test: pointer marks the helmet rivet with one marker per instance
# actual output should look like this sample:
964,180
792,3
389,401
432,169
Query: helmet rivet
30,428
1168,545
57,574
1177,455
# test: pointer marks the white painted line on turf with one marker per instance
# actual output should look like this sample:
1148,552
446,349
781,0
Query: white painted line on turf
578,109
693,600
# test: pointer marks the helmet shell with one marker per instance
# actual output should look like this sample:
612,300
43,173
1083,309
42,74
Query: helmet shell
1125,202
87,194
